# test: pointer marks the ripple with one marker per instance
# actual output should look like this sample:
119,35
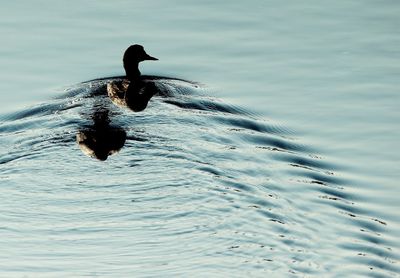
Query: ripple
194,178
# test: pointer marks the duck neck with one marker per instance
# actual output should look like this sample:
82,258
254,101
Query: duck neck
132,71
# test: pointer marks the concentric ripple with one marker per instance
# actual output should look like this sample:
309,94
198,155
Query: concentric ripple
193,185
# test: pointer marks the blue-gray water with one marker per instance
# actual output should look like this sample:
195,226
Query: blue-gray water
282,159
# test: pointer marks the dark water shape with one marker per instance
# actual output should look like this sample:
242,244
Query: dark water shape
100,139
211,183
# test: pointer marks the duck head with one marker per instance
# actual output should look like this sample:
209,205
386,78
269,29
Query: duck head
132,57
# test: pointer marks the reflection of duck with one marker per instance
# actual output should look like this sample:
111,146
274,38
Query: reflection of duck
101,140
133,92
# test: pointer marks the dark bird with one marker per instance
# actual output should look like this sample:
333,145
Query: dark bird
133,91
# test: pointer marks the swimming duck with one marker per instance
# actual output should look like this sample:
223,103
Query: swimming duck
132,91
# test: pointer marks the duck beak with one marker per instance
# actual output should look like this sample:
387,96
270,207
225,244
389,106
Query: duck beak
148,57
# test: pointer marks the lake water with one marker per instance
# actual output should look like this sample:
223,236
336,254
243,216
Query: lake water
279,156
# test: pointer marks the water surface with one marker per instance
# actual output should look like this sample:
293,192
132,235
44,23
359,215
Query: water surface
281,160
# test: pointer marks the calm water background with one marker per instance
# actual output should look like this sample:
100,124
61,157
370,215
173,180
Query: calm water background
321,75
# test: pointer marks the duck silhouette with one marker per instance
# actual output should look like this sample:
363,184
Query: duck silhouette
133,91
101,139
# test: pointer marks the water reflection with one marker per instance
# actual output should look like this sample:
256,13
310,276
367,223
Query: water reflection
132,94
100,139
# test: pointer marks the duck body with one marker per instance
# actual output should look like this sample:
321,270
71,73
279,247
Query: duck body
134,95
